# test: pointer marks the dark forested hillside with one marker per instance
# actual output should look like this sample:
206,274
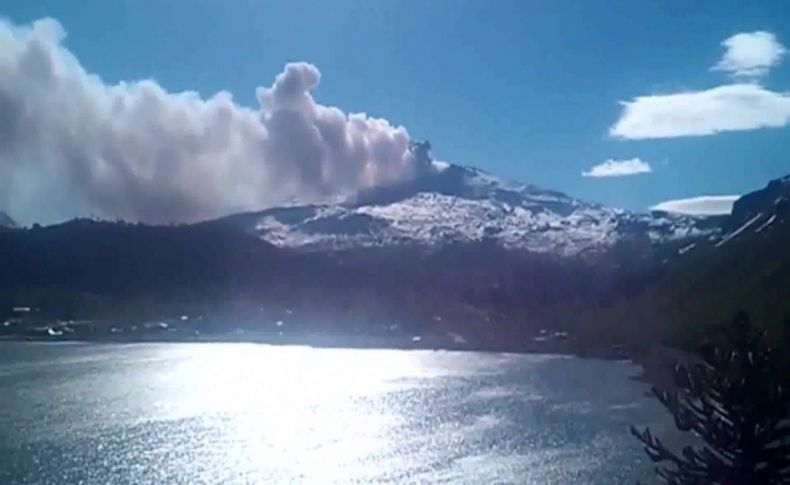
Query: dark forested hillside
89,269
705,282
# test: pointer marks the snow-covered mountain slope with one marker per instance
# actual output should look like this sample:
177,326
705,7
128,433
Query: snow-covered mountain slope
454,204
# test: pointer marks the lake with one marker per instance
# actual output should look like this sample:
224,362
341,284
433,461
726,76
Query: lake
249,413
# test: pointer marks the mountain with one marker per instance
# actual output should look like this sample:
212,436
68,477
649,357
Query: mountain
746,266
452,255
754,216
485,296
453,252
90,268
6,221
451,204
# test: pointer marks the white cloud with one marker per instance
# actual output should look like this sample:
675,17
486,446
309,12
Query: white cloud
702,205
733,107
618,168
72,145
750,54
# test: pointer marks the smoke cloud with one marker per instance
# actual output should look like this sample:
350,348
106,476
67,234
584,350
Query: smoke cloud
72,145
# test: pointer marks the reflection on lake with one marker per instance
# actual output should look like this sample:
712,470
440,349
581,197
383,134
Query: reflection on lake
246,413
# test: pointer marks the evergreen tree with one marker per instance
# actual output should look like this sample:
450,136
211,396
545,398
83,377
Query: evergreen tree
736,402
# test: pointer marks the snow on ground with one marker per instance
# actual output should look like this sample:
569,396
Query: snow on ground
687,248
766,223
515,216
738,231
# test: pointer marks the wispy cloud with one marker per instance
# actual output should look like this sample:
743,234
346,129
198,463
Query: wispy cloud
702,205
618,168
734,107
750,54
71,144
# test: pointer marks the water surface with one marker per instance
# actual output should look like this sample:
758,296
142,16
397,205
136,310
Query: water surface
246,413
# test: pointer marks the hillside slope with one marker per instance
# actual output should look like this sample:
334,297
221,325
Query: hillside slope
606,277
746,268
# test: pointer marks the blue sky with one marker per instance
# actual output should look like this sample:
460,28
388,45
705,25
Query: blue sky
527,90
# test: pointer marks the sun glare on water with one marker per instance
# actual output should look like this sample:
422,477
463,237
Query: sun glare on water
293,407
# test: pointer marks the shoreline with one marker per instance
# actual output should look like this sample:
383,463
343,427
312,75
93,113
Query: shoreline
329,341
653,367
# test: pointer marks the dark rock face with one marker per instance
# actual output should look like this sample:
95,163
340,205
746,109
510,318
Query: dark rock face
774,197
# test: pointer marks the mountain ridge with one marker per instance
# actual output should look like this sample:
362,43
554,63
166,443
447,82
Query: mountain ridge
745,268
452,204
495,297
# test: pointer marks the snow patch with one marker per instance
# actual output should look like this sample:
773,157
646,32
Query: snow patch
766,223
514,216
738,231
687,248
